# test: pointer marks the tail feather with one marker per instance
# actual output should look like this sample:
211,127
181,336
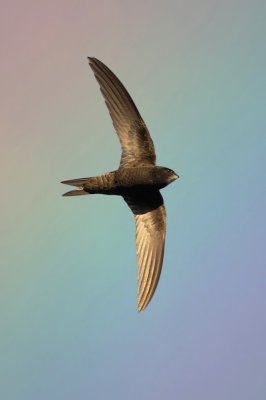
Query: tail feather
75,182
77,192
79,183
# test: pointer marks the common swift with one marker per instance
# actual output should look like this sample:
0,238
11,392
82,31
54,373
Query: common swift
138,180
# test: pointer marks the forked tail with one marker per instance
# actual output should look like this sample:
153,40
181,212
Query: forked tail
79,183
104,184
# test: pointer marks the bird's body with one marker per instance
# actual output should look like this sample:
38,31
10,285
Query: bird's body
124,181
138,180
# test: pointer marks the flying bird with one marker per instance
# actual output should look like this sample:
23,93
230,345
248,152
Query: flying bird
138,180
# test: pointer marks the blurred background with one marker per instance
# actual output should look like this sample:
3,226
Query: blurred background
68,285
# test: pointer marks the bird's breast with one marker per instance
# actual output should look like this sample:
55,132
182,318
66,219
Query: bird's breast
134,177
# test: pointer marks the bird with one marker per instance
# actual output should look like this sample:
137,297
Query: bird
138,180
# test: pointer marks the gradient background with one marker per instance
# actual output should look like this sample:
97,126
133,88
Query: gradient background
69,326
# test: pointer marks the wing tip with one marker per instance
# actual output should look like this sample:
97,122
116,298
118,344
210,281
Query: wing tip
140,309
143,303
92,60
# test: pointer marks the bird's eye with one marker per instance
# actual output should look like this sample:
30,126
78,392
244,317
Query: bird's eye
169,170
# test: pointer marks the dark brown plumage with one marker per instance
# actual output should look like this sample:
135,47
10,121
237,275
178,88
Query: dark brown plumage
138,180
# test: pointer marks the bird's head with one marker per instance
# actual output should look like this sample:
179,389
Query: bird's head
164,176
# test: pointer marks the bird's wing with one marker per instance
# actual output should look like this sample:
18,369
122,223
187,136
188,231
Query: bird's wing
150,217
137,145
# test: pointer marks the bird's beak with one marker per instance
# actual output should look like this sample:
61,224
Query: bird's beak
175,176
